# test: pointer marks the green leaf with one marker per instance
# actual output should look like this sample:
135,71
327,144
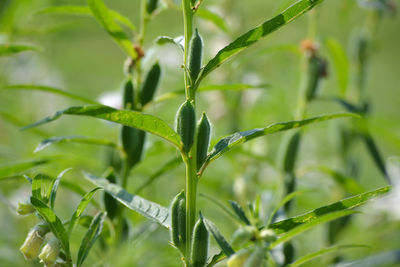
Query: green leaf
75,139
221,206
37,187
11,49
106,19
54,188
162,40
375,154
144,207
130,118
223,244
213,17
91,235
348,203
17,168
252,36
80,209
340,62
49,90
231,141
322,252
310,224
239,211
85,11
387,258
55,224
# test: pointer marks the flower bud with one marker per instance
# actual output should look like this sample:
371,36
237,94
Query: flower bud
33,242
49,253
25,208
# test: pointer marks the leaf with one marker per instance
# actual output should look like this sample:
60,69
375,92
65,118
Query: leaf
340,62
169,40
54,188
105,18
322,252
213,17
55,224
49,90
37,187
310,224
130,118
239,211
76,139
85,11
216,258
252,36
231,141
13,169
221,206
375,154
348,203
11,49
91,235
80,209
223,244
387,258
144,207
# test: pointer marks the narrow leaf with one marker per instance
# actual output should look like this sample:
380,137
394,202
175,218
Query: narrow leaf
54,188
105,18
254,35
221,206
49,89
130,118
91,235
75,139
231,141
178,41
348,203
11,49
214,18
37,187
375,154
223,244
13,169
239,211
144,207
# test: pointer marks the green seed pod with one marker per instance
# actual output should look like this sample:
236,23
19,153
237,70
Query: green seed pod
128,100
239,258
33,242
25,208
133,143
256,258
50,251
178,221
289,253
268,235
186,125
150,84
199,244
243,235
203,140
195,55
110,203
151,5
316,71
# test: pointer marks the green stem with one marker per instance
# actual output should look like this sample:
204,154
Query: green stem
188,31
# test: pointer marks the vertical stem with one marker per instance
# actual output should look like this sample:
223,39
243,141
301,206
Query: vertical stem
188,31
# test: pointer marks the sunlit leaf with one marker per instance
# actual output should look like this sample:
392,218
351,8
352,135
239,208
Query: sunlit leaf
54,188
178,41
74,139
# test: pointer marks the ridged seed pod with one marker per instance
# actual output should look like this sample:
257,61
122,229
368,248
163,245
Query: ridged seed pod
186,124
133,143
128,95
178,221
150,84
256,258
292,148
151,5
203,139
199,244
195,55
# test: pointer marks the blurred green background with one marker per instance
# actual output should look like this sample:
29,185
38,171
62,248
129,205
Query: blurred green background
78,56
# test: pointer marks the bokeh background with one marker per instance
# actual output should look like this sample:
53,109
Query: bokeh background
78,56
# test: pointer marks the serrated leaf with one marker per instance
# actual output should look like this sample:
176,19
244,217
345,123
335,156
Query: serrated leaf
74,139
11,49
80,209
239,211
13,169
54,188
169,40
49,89
144,207
214,18
254,35
223,244
130,118
231,141
105,18
310,224
345,204
92,234
322,252
55,224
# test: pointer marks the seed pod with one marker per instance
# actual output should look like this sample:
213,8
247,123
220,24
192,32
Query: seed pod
49,253
256,258
242,235
178,221
133,143
128,100
111,205
186,125
195,55
203,139
199,244
33,242
239,258
150,84
316,72
151,5
292,148
268,235
25,208
288,252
